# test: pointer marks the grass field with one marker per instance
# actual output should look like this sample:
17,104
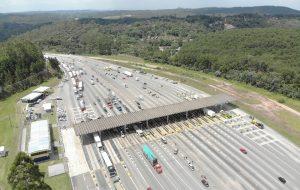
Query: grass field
281,120
10,113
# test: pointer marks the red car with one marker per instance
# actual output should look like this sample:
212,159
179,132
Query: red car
149,188
243,150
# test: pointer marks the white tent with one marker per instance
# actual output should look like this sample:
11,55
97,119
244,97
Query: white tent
39,137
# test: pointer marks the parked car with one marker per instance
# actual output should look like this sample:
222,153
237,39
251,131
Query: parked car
282,180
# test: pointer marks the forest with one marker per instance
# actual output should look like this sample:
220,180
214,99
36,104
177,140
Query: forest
22,65
258,49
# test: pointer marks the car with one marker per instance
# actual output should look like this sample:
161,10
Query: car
191,166
243,150
58,98
282,180
149,188
204,181
164,140
176,151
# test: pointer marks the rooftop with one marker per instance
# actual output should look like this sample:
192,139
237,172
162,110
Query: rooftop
31,96
39,137
41,89
147,114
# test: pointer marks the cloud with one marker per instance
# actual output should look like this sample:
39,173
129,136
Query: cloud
37,5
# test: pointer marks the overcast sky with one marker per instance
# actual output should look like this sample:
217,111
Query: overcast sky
45,5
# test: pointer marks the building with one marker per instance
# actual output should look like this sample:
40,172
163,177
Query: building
42,89
36,94
39,145
32,97
47,107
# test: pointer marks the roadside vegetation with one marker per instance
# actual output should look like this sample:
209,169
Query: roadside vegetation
25,174
11,114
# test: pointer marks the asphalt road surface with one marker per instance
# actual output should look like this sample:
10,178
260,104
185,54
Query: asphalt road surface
211,145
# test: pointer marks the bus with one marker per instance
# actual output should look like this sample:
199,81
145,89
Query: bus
149,155
97,140
108,163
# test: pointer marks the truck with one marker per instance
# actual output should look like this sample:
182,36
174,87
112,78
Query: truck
92,82
138,130
127,73
151,158
74,82
108,163
97,140
82,105
209,112
71,74
80,86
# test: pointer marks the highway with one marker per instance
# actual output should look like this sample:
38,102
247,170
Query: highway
212,145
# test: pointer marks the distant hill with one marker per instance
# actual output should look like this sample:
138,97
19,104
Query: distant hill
52,16
266,10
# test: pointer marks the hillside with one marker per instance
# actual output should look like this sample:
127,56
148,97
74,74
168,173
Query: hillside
53,16
257,53
265,58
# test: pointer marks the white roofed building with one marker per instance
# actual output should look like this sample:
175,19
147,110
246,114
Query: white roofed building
32,97
41,89
39,145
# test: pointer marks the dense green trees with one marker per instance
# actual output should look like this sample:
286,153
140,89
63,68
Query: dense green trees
263,56
24,174
266,58
21,65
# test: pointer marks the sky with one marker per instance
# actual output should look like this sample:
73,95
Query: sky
48,5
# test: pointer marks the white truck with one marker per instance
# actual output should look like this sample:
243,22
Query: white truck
209,112
80,86
74,82
92,82
138,130
71,74
82,105
97,140
127,73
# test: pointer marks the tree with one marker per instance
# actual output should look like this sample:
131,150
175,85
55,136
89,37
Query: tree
24,174
54,63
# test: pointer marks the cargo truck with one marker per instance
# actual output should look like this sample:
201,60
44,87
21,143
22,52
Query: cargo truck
151,158
82,105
